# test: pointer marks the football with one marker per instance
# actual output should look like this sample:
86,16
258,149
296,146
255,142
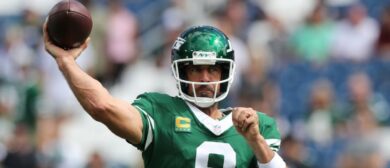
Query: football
69,24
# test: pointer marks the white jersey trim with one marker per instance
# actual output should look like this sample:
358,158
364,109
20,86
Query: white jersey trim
149,138
217,127
272,143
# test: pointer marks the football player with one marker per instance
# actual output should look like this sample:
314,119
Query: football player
188,130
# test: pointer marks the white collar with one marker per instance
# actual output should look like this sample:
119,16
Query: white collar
217,127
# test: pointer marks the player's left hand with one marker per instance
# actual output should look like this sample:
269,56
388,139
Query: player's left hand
246,122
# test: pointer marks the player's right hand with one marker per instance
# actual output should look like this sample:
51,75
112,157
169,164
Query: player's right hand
58,52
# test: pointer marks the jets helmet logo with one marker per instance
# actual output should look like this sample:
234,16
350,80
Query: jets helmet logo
179,41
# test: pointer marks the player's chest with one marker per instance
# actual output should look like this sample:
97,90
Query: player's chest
191,141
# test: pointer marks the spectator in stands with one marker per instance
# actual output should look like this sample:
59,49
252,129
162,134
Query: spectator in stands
236,15
52,148
173,22
20,70
294,153
121,40
322,117
383,43
96,160
361,153
267,40
99,15
8,105
355,36
311,42
9,93
256,90
31,28
366,110
323,124
20,150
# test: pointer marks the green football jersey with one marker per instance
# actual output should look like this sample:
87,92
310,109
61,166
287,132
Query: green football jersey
177,134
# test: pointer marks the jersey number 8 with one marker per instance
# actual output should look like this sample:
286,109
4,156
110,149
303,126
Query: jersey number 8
206,149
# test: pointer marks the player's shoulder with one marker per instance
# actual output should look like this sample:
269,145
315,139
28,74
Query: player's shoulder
265,119
156,104
158,97
154,95
269,128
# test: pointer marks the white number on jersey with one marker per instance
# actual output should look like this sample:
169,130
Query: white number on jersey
207,148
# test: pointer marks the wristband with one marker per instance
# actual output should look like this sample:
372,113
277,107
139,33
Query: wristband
276,162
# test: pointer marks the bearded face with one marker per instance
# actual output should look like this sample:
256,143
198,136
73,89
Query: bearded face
203,73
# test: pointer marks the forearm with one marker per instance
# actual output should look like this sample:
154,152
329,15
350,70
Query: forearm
266,157
118,115
88,91
261,149
246,122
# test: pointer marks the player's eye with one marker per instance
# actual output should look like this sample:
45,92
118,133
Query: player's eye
192,69
214,69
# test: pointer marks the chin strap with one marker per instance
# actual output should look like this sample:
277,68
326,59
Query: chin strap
204,102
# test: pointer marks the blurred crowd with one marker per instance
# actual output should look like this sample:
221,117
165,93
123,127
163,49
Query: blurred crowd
319,67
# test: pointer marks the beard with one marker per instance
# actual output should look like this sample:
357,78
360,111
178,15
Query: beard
203,91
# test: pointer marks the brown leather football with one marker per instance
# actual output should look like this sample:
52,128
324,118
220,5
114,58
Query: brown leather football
69,24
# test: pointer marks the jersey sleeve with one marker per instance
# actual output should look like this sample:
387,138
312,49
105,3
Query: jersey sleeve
144,105
270,131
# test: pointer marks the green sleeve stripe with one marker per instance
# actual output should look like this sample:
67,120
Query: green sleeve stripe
149,137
